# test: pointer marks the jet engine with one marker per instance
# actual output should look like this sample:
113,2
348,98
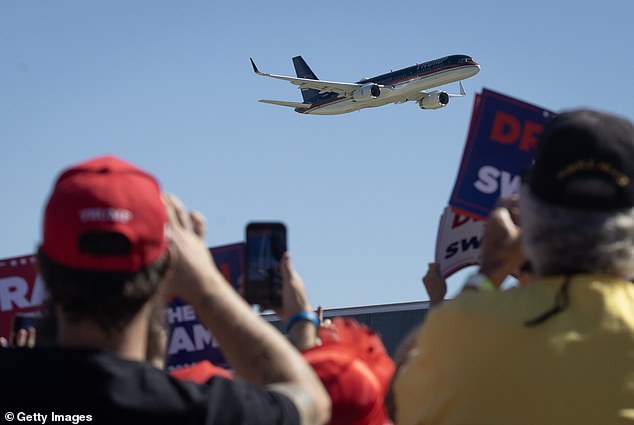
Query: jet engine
434,100
366,92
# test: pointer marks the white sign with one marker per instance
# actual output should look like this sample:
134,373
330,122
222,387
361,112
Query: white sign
458,242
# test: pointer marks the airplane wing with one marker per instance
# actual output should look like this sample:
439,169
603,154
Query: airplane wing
284,103
420,96
342,89
417,97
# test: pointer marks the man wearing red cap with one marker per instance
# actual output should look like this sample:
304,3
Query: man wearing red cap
113,247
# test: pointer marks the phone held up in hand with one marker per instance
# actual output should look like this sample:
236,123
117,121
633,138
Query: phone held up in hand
23,321
265,244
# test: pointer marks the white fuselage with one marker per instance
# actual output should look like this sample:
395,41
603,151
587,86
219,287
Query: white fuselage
402,91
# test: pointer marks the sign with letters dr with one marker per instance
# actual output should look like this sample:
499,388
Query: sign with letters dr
502,138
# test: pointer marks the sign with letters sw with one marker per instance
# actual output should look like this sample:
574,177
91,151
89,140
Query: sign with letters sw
458,242
502,138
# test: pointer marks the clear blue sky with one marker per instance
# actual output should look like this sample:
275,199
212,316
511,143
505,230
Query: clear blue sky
168,86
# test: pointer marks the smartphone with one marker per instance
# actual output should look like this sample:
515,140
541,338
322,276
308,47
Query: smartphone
24,321
265,244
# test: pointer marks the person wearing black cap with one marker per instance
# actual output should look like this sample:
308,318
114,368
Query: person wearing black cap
559,350
113,246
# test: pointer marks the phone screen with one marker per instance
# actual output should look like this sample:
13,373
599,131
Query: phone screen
265,244
24,321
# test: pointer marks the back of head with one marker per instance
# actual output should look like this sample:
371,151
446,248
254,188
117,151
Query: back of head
104,240
577,207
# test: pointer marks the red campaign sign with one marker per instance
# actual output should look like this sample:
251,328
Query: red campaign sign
21,290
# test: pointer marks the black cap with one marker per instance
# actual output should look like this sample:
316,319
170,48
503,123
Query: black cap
585,159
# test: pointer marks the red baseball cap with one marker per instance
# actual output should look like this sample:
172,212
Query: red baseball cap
105,195
356,370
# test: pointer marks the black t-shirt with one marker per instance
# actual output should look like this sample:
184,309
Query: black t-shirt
106,389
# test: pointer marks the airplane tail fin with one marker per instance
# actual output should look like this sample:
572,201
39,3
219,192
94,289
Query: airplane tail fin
303,71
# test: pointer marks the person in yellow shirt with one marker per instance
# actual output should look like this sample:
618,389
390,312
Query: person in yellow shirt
559,350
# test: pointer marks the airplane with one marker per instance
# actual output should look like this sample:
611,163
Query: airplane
408,84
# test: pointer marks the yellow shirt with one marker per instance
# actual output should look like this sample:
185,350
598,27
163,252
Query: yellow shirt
475,362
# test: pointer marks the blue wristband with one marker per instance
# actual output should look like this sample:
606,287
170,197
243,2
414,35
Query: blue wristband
302,315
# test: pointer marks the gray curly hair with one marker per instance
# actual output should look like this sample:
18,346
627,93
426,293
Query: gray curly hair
560,240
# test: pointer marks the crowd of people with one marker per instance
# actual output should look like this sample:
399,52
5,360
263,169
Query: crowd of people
557,349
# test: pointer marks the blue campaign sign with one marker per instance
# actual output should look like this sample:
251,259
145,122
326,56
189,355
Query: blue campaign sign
188,340
502,138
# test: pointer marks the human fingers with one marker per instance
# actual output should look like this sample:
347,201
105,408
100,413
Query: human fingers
501,222
501,248
507,202
176,212
31,336
190,261
433,269
286,271
199,224
294,297
285,267
433,275
511,204
294,281
428,275
514,208
435,285
20,338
